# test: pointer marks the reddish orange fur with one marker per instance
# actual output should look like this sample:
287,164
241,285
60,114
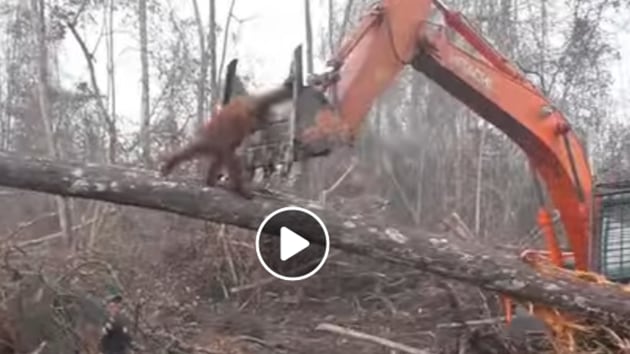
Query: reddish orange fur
224,133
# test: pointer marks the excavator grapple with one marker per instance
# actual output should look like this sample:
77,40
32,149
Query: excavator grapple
276,148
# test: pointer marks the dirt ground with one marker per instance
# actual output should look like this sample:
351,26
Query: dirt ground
194,287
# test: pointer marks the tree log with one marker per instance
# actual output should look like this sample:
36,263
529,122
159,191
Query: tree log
435,253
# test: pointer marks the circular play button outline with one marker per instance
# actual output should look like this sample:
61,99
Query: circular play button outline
326,246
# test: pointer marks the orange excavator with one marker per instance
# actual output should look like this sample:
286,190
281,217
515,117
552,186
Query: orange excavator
445,47
441,44
425,34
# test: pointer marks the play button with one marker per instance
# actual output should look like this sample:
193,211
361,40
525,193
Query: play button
292,243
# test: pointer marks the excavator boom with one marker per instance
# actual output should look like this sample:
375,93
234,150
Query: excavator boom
443,46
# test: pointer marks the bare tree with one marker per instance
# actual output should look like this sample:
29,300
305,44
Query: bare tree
109,121
212,52
309,36
478,187
226,33
111,73
145,137
203,67
39,27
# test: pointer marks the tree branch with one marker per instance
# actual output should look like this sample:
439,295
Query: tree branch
369,338
443,255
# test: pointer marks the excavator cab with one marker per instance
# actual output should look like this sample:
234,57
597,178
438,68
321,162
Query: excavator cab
610,251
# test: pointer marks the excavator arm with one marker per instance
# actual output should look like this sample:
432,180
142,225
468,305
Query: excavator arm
441,44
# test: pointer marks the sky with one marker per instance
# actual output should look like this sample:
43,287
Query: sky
267,38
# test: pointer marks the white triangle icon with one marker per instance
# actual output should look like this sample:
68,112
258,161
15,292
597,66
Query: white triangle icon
291,243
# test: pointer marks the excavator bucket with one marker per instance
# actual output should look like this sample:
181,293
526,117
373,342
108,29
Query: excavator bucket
307,101
278,146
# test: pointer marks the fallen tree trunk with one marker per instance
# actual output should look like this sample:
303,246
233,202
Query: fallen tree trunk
434,253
